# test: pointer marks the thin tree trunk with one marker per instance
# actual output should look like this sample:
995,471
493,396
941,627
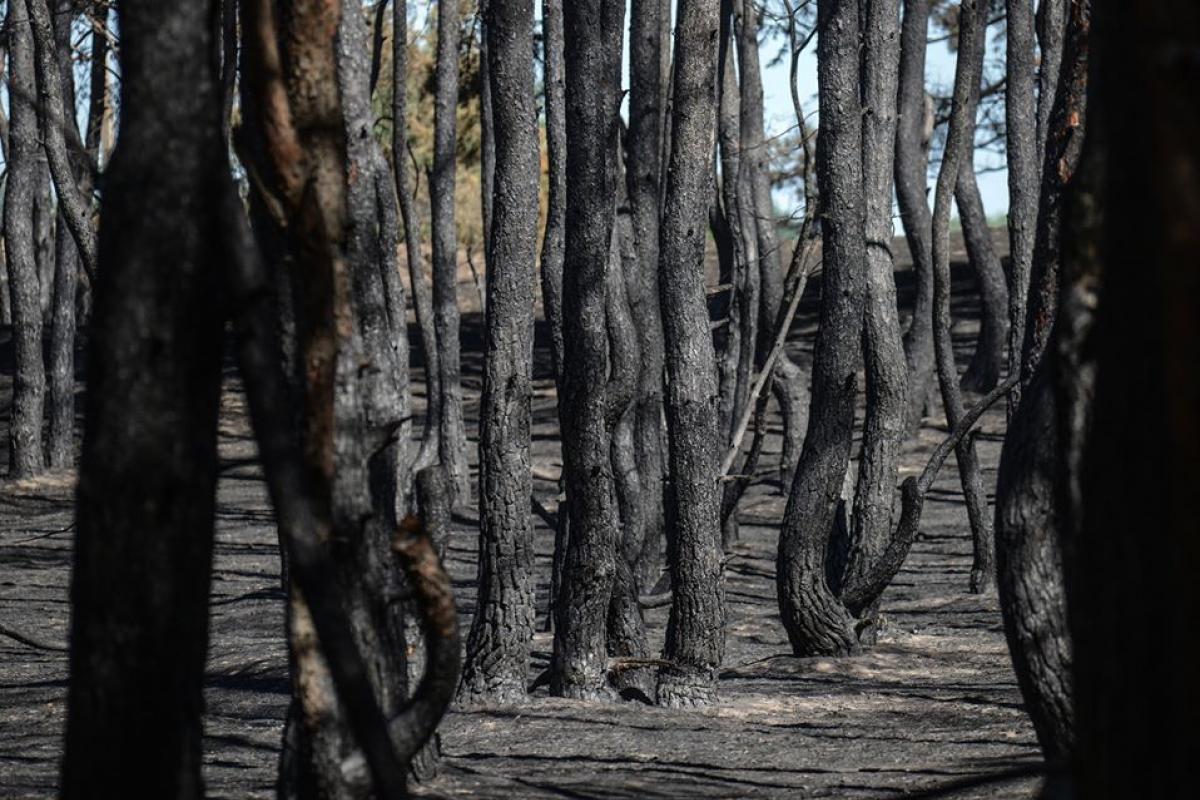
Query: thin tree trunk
983,371
452,438
593,77
147,489
422,299
487,134
959,146
21,185
815,620
501,634
911,170
695,628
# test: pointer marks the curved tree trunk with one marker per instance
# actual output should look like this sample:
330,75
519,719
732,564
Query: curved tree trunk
959,146
695,629
983,371
911,170
815,619
592,31
452,437
498,645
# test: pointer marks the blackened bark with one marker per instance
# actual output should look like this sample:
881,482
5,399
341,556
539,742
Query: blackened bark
422,299
146,496
487,132
649,48
452,437
815,620
1051,25
21,184
1144,373
883,352
695,629
498,645
911,169
983,371
959,146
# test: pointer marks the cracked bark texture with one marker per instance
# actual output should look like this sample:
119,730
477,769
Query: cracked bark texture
21,185
695,628
452,437
815,620
498,644
146,496
959,146
911,169
592,39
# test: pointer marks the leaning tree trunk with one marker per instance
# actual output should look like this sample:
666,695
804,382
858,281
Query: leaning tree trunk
1029,513
959,146
422,300
592,38
815,620
25,457
983,371
452,437
911,170
147,489
695,630
501,634
648,50
1139,458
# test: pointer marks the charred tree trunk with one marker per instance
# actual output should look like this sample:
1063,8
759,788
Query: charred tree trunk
422,299
21,185
695,629
498,645
146,497
1142,439
487,133
649,50
959,146
911,169
592,38
452,437
815,620
983,371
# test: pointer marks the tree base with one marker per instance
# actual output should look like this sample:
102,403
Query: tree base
686,688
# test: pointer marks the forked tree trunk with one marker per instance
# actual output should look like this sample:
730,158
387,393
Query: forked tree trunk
422,299
695,629
25,458
593,33
959,146
501,634
911,170
146,496
452,437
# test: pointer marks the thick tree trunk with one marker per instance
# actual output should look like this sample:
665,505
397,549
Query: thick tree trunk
911,170
452,437
695,629
592,38
983,371
1139,460
886,377
959,146
146,496
422,299
498,645
815,620
649,50
21,186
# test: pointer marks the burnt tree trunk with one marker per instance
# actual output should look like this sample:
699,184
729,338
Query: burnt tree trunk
695,629
815,620
146,497
959,146
452,437
592,39
649,51
911,169
422,299
501,634
25,456
983,371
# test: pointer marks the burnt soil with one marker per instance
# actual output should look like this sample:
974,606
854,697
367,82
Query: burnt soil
933,705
